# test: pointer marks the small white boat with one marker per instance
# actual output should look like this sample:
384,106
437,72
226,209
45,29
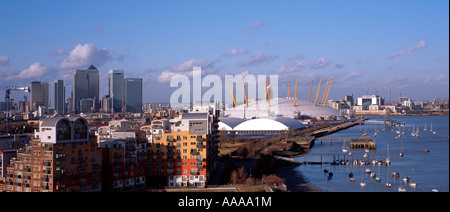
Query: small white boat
388,185
373,175
434,190
400,189
363,184
413,184
368,171
405,179
344,150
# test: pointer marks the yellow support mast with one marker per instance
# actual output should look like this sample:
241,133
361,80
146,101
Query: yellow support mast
324,92
328,92
318,91
245,94
295,97
289,89
310,89
232,94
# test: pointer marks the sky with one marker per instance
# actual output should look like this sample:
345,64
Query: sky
365,46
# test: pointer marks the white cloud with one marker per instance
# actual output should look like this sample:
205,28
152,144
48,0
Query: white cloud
315,64
257,59
33,71
296,57
419,46
235,52
84,55
340,65
4,60
185,68
355,74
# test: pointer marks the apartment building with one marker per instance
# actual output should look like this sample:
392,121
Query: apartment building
60,158
124,164
185,151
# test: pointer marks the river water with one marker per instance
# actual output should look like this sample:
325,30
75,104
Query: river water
429,170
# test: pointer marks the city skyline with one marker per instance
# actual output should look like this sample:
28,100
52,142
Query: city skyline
401,45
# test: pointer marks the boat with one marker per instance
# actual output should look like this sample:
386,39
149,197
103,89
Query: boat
425,128
368,171
395,174
350,175
388,185
406,179
425,150
413,183
363,184
349,154
401,154
388,160
400,189
434,190
344,150
373,175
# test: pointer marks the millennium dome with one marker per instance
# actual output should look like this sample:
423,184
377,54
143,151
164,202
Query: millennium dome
280,107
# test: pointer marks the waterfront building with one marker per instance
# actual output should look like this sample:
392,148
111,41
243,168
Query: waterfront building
132,94
367,100
58,97
38,94
116,81
61,157
85,86
184,153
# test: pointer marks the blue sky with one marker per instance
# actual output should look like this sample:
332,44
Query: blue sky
400,45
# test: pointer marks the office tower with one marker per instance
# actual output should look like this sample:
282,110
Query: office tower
39,94
60,158
132,95
58,99
116,89
85,86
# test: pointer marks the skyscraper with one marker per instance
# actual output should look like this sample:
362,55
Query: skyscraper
132,93
85,86
58,99
116,89
38,95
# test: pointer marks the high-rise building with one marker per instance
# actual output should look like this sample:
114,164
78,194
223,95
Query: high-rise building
132,95
58,99
60,158
38,95
85,86
116,89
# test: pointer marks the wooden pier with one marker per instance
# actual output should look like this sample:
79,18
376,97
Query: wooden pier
355,143
363,142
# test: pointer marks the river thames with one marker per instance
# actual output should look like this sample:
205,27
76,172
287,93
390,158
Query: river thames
425,160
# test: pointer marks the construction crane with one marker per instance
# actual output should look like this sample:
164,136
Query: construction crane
8,90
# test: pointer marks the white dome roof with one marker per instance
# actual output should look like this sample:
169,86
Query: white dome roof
267,124
280,107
